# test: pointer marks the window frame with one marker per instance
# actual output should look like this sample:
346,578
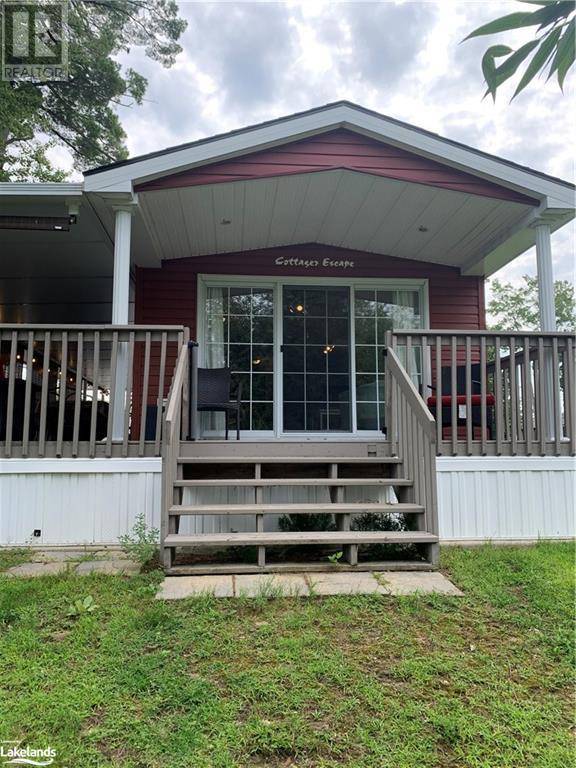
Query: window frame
276,283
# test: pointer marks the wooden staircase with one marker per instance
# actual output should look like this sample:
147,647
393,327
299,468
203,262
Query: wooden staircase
198,537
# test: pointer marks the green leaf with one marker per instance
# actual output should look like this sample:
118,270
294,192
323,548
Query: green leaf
564,45
511,21
508,68
539,60
554,11
567,59
489,67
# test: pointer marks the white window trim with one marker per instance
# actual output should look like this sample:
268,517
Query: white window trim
276,282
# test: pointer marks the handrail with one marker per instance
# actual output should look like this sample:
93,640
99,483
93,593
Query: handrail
411,432
487,332
86,327
412,395
175,394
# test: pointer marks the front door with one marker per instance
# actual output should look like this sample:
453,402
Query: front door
315,354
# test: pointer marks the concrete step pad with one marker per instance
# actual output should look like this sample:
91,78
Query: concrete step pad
307,585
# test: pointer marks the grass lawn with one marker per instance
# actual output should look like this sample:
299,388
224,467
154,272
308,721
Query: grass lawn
365,682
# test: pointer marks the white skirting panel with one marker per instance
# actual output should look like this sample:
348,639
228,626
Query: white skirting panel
93,501
515,498
94,504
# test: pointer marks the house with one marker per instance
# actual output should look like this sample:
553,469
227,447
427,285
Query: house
335,261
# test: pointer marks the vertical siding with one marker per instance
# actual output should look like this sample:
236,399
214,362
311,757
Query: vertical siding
479,499
76,508
501,505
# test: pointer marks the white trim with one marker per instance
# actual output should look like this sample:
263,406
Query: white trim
505,463
33,188
276,283
331,117
96,466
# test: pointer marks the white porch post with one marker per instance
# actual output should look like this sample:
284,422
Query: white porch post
547,316
545,277
120,310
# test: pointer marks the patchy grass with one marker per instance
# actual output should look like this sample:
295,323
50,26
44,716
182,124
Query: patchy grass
483,681
12,557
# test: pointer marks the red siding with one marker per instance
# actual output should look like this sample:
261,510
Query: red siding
168,294
334,150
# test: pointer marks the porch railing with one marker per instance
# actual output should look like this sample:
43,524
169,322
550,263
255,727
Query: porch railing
412,436
85,390
495,393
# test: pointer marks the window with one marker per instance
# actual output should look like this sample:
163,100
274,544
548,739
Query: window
239,333
375,313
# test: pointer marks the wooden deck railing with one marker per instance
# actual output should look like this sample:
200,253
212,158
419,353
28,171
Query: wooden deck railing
412,435
85,390
515,392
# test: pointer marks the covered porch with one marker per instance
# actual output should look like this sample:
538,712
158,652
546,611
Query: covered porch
334,264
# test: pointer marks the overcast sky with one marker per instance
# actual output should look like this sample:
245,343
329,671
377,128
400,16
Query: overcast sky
247,62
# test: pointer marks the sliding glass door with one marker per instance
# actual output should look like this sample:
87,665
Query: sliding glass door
316,359
309,357
239,333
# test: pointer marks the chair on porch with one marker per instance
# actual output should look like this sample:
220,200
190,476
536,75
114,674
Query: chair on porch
215,395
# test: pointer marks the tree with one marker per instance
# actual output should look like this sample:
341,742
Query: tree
79,113
515,308
554,44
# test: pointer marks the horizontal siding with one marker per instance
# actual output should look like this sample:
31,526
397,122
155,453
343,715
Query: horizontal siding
168,294
339,149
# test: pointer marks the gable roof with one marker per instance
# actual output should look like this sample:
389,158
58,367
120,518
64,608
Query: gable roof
316,110
340,149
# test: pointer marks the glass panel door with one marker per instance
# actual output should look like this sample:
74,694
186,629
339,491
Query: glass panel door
375,313
316,359
239,332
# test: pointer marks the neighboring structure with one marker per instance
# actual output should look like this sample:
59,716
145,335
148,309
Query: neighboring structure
335,260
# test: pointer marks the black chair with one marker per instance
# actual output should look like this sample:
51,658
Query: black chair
214,394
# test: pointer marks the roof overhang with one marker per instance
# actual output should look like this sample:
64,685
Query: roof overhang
121,177
341,208
338,207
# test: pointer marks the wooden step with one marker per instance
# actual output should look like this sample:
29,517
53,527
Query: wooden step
289,460
270,482
328,508
282,538
204,569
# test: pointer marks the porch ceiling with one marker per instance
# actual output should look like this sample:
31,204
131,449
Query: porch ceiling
341,208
